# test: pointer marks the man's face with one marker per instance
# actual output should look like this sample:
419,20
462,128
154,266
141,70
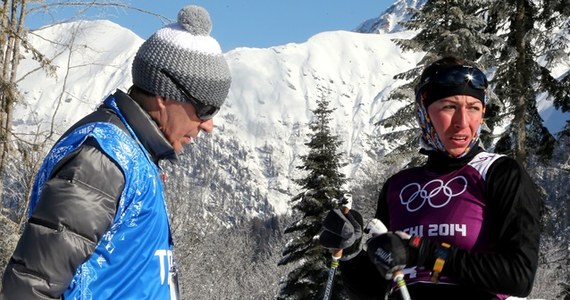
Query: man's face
180,124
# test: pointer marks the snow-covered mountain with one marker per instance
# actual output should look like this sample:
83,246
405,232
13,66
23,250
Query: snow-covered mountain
262,127
389,20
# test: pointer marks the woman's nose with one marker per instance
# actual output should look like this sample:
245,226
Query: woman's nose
461,118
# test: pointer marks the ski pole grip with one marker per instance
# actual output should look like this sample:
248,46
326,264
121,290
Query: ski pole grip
337,253
398,278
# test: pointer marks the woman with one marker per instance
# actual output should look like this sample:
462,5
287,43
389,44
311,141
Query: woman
466,223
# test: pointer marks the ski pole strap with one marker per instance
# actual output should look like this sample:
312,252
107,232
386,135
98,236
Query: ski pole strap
441,253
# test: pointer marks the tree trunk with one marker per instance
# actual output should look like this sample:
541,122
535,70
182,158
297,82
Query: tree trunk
12,17
519,123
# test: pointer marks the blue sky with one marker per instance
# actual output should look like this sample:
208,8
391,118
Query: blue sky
248,23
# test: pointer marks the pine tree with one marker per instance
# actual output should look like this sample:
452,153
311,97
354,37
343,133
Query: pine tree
553,46
519,77
322,183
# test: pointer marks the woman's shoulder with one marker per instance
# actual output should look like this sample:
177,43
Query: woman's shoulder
494,164
490,158
485,158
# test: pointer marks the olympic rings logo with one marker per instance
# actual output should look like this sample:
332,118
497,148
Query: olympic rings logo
436,193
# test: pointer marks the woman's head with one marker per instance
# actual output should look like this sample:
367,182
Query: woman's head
450,100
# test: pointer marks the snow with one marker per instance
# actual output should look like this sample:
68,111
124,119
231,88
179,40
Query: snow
97,63
270,101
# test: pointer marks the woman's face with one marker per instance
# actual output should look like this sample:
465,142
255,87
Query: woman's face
456,120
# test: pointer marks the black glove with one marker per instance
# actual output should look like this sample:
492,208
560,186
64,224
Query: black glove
342,232
389,253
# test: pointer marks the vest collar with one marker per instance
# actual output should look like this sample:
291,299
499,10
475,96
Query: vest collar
145,129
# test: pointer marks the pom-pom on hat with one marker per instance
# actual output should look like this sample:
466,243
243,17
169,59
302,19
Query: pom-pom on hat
184,56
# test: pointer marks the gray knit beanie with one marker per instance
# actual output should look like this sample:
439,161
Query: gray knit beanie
185,52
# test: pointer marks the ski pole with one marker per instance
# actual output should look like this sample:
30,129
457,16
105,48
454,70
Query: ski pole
336,253
330,280
399,280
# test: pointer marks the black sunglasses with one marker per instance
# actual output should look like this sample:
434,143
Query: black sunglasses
457,75
203,111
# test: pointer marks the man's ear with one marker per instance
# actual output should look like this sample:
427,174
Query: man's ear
148,102
155,103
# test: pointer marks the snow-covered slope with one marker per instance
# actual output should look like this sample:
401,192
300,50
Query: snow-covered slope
269,106
262,127
92,59
389,20
275,89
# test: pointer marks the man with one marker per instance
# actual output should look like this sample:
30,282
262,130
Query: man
98,226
